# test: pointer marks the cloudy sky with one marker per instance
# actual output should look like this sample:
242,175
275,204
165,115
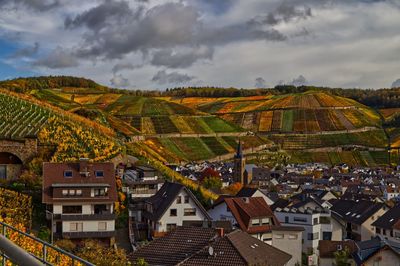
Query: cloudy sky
240,43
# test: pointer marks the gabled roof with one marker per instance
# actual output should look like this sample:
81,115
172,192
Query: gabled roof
246,209
246,192
389,220
53,176
239,248
355,211
367,249
163,199
191,246
176,246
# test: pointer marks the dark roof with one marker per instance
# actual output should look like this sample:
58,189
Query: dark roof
355,211
328,248
307,192
163,199
280,203
367,249
246,192
245,209
239,248
53,174
176,246
389,220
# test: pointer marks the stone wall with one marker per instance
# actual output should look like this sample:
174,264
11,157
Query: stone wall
24,149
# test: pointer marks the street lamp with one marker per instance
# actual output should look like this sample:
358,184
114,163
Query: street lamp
52,225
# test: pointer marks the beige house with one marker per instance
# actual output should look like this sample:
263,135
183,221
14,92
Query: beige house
289,240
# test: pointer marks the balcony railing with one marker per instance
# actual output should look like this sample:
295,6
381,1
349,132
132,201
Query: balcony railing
98,234
9,251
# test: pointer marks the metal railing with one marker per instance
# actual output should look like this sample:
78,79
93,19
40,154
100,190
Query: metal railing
16,254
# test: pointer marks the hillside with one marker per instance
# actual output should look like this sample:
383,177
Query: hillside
72,136
179,129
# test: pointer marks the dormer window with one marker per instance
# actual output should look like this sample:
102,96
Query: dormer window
68,173
99,174
65,192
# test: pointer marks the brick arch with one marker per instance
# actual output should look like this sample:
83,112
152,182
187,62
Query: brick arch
23,149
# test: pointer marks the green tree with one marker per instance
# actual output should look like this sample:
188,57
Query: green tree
212,182
342,257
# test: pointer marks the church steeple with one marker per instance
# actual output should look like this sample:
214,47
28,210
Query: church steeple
239,164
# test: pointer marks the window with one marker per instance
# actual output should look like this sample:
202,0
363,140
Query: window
278,236
300,219
79,192
172,212
292,236
71,192
378,230
286,219
315,220
178,200
171,227
76,227
99,192
314,236
3,172
102,226
186,199
68,173
384,231
72,209
65,192
99,173
265,221
391,233
326,235
255,222
189,212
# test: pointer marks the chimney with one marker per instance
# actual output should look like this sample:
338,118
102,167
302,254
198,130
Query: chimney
220,231
83,166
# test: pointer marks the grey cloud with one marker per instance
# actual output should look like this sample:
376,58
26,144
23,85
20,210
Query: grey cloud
37,5
179,59
122,66
396,84
104,15
162,77
26,52
58,58
260,83
284,13
119,81
116,30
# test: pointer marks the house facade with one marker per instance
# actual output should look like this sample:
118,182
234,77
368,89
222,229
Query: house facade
317,222
289,240
80,198
251,215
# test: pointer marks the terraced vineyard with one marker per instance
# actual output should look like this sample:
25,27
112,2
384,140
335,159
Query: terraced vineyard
193,149
373,138
20,119
352,158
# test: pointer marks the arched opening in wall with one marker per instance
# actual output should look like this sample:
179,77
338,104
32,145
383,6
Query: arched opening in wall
10,165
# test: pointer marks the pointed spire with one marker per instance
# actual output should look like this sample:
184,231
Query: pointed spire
239,152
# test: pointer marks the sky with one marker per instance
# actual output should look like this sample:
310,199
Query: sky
158,44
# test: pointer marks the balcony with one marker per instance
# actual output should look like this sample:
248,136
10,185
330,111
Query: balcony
98,234
84,217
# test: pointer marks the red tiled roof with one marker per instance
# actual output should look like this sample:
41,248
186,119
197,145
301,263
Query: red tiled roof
53,173
245,209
